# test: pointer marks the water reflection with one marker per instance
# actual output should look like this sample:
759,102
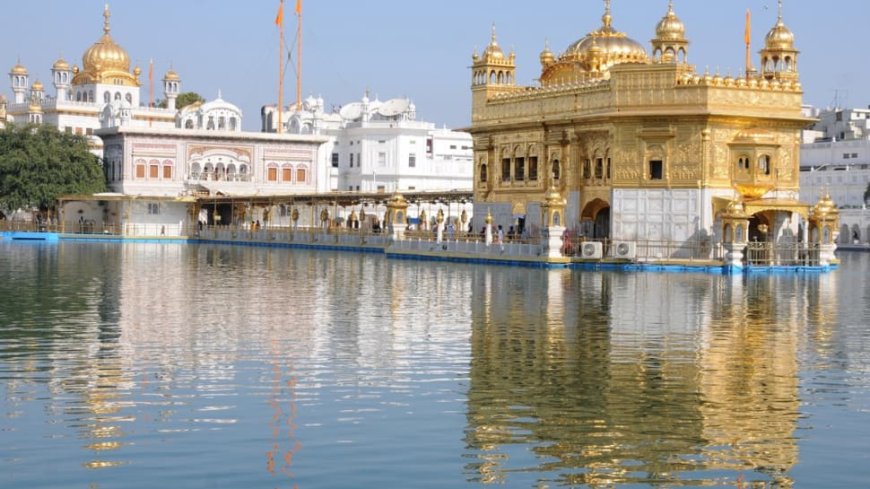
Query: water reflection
201,366
654,379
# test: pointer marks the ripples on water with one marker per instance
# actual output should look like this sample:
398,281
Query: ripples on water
201,367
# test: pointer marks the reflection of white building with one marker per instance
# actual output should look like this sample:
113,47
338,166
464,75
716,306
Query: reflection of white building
82,94
380,146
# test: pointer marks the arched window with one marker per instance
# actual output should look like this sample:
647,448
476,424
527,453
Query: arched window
286,173
210,125
107,97
188,124
208,174
483,174
195,170
272,173
222,123
129,99
167,170
301,175
232,123
117,96
91,96
140,169
153,169
764,164
231,172
220,172
557,170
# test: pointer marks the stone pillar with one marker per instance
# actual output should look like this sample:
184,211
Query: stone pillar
553,209
735,235
439,219
397,209
825,230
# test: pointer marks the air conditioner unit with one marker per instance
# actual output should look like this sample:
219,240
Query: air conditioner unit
624,250
592,251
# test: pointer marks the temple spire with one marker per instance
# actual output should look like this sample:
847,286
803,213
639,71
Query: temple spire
106,16
607,19
780,10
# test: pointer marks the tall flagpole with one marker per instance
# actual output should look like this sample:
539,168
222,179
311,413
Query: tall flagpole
747,37
280,21
299,55
150,87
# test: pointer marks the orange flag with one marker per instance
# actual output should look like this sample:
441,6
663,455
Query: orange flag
747,37
279,19
298,7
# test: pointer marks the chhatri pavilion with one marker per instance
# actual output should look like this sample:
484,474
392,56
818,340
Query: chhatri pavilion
640,147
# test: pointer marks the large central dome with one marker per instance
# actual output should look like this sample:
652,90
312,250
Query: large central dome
594,54
106,62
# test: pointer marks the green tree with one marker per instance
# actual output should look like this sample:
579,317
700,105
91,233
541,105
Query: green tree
184,99
38,164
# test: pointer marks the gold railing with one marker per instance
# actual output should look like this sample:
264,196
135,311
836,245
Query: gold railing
782,254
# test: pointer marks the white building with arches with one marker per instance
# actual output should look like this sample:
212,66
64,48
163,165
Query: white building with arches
216,115
380,146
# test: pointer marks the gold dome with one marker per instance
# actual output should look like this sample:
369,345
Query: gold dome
493,51
171,75
35,106
547,56
18,69
597,51
37,86
671,28
780,38
106,62
60,65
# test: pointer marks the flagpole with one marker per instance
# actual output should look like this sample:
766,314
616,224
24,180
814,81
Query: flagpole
299,55
150,88
280,21
748,39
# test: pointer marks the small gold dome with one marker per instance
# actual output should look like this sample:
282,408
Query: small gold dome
60,65
780,38
18,69
37,86
547,56
671,28
171,75
137,71
493,51
35,107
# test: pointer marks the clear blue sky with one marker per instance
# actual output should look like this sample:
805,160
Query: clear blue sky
417,49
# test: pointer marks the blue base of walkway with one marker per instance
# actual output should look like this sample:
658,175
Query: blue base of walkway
621,267
299,246
31,236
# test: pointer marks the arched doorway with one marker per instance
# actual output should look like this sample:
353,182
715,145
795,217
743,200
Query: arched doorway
595,219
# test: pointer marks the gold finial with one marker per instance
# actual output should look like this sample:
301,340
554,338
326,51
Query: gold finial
780,10
670,6
608,17
493,40
106,15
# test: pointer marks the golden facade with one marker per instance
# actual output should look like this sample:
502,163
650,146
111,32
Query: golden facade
642,147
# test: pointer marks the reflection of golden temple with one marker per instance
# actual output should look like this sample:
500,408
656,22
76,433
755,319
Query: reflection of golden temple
598,386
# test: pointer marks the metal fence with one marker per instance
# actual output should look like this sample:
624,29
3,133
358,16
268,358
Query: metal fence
782,254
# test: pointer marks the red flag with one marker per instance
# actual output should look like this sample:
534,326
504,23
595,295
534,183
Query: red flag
279,19
298,7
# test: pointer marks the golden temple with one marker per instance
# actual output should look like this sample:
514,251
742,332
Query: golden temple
643,148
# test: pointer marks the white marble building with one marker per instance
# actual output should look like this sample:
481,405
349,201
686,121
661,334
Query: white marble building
375,146
835,157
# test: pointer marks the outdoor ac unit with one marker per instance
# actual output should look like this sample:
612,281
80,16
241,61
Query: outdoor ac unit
624,250
592,251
